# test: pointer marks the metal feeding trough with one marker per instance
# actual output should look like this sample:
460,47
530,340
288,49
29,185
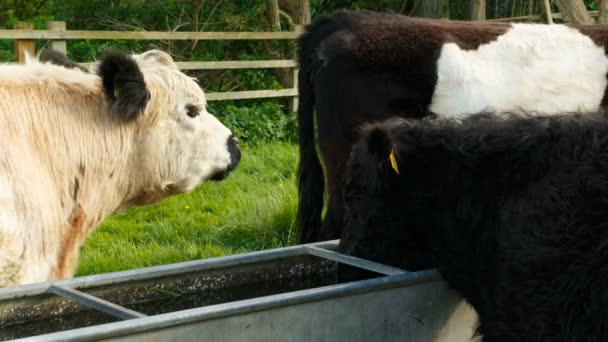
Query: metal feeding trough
285,294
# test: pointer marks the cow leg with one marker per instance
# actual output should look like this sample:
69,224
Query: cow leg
10,263
333,222
21,263
70,248
336,153
11,241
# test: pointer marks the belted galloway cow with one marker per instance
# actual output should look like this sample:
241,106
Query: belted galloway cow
360,66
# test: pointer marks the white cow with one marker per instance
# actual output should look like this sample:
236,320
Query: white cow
78,146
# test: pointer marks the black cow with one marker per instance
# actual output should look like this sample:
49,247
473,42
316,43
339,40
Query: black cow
362,66
512,210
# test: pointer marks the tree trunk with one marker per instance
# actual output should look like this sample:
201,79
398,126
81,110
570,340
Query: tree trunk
304,13
574,11
272,14
433,9
602,17
299,10
274,23
478,9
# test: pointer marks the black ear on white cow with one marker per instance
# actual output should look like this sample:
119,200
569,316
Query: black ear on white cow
124,83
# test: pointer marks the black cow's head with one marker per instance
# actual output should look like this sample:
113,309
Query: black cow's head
380,222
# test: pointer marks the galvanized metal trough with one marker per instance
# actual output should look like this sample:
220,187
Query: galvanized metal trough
285,294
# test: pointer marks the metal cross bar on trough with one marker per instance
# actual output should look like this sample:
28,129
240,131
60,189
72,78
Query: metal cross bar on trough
291,293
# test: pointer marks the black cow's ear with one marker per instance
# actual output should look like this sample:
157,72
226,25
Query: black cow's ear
378,143
381,149
124,84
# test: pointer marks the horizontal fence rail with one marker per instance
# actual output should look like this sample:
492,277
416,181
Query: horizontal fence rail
224,65
251,94
144,35
57,34
265,64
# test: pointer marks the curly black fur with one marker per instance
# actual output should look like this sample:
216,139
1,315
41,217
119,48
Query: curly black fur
121,75
512,210
355,67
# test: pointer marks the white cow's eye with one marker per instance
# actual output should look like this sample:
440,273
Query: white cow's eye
192,111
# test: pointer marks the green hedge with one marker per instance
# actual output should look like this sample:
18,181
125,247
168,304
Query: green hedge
257,121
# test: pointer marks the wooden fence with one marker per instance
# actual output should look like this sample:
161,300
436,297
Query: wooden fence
57,35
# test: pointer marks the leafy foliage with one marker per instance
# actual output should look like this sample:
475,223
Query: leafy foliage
267,121
259,122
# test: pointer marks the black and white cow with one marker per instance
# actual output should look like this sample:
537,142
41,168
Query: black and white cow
362,66
512,210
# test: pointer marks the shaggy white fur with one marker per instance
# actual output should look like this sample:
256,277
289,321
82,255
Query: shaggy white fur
67,161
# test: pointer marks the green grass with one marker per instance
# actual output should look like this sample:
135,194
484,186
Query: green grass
253,209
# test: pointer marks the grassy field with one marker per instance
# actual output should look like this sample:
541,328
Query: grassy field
251,210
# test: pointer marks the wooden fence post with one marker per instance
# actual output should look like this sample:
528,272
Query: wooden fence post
294,74
24,45
57,45
548,14
478,9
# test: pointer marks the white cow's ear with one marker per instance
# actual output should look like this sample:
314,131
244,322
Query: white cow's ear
155,57
124,84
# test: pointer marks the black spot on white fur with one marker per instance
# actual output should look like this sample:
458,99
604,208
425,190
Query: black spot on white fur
76,188
192,110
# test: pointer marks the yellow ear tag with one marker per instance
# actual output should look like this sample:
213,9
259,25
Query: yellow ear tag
116,92
394,161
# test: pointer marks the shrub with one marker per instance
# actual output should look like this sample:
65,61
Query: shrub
257,122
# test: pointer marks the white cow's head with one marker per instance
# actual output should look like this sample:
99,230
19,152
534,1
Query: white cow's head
178,144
